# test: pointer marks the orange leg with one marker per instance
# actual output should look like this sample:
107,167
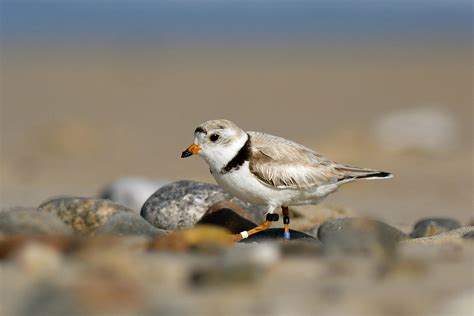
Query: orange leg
264,226
286,221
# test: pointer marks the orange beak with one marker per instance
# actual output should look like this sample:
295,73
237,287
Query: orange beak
191,150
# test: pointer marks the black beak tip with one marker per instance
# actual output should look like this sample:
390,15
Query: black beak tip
186,153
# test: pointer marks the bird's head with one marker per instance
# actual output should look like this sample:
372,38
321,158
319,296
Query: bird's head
217,142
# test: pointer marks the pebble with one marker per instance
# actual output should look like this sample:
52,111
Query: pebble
182,204
83,215
433,226
127,223
228,215
131,192
359,235
30,221
203,237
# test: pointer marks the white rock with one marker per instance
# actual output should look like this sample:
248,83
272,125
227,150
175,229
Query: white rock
131,192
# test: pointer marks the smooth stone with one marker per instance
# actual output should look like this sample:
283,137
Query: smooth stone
427,227
228,215
359,235
30,221
83,215
126,223
182,204
131,192
277,234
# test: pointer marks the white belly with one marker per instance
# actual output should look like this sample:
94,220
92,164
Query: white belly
244,185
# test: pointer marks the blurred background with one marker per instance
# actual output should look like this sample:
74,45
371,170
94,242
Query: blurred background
92,91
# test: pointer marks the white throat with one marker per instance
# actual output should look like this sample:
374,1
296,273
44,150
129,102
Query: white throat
218,158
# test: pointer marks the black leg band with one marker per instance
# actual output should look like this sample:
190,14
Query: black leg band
286,219
272,217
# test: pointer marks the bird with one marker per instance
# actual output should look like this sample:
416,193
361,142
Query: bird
263,169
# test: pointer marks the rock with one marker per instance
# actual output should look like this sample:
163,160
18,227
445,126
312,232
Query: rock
30,221
424,129
131,192
469,235
10,245
83,215
451,237
207,238
182,204
433,226
127,223
359,235
228,215
277,234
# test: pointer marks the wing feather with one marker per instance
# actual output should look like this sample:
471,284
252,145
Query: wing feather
285,164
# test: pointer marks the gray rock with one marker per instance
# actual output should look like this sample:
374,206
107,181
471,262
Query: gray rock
131,192
433,226
83,215
127,223
277,234
359,235
30,221
181,204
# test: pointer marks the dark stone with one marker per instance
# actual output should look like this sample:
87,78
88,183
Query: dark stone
276,234
229,215
30,221
127,223
83,215
427,227
182,204
469,235
359,235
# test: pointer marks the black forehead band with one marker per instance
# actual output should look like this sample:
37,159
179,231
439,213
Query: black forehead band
200,130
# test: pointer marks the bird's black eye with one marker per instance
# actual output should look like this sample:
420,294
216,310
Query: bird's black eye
214,137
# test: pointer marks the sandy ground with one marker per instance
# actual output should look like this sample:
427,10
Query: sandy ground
73,120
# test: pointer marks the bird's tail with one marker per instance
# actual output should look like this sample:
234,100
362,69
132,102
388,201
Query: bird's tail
354,173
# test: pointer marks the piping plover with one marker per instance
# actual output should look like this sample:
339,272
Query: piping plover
265,169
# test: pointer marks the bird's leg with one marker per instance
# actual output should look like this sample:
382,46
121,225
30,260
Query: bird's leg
264,226
286,221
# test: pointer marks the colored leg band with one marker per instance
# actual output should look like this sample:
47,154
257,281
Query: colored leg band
272,217
244,234
286,235
286,219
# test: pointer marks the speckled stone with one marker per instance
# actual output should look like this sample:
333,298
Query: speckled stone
126,223
359,235
29,221
83,215
182,204
427,227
